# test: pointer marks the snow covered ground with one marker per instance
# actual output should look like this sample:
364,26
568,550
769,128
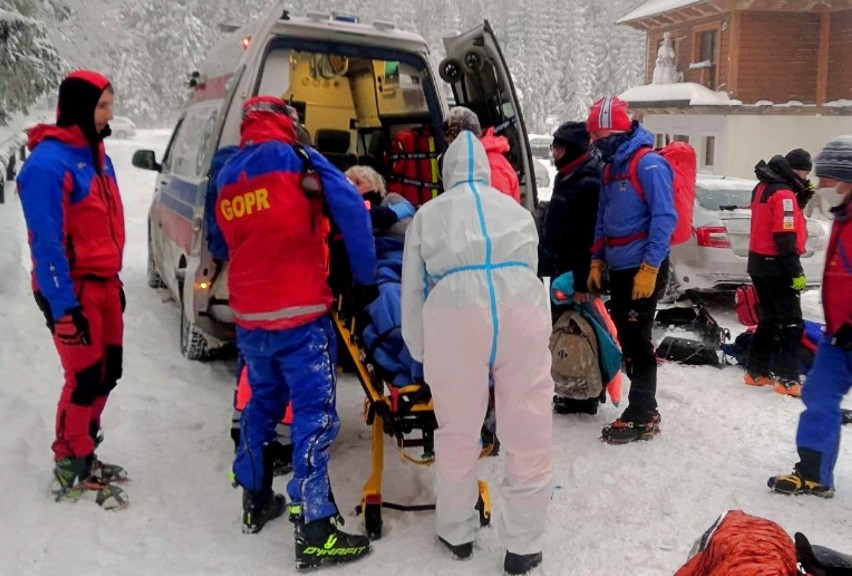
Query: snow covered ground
615,510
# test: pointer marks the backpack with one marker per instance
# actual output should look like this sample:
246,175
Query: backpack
574,349
747,305
739,544
684,163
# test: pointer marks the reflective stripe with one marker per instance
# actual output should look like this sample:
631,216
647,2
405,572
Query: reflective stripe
283,313
477,268
487,267
605,115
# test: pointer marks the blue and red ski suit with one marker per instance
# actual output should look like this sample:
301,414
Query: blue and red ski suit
830,378
277,239
75,222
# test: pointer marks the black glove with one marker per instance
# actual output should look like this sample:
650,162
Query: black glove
73,328
843,337
805,195
123,298
361,295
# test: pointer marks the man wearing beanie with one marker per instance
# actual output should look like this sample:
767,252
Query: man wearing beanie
777,239
503,175
818,435
632,236
568,231
75,221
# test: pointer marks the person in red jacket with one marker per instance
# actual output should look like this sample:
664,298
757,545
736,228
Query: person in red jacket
778,235
830,378
75,222
271,206
503,175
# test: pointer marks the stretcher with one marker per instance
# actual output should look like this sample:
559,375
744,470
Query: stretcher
404,413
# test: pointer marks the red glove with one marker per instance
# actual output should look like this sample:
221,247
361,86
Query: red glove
73,328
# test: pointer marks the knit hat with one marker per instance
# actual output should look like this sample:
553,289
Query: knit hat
609,113
835,160
460,118
573,137
799,159
79,94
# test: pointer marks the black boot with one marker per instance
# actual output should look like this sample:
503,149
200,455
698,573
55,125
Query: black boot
321,542
265,505
459,551
517,564
625,430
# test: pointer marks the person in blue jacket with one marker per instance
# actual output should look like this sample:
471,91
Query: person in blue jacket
632,235
272,207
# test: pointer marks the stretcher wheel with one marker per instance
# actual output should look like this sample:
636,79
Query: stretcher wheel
373,521
450,70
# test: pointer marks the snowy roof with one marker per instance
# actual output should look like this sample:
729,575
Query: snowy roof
654,7
695,94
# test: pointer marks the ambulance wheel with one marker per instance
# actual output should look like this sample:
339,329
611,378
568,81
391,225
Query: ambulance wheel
193,346
373,521
450,70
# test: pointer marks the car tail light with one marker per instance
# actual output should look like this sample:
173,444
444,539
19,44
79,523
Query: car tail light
713,237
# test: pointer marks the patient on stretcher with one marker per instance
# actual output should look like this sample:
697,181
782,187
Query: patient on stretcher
382,336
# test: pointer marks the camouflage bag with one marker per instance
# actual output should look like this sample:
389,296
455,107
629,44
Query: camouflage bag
574,349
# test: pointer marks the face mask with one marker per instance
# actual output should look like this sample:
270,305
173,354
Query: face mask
831,196
604,149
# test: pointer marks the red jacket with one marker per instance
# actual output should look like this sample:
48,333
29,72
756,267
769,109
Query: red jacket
837,277
503,175
277,234
778,232
73,211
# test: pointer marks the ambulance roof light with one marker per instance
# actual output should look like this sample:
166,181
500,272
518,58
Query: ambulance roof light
384,25
344,17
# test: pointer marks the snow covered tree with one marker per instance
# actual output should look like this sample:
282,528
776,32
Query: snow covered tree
29,64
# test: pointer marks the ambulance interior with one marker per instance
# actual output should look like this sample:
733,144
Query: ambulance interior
352,106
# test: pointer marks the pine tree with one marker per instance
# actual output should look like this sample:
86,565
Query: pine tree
29,64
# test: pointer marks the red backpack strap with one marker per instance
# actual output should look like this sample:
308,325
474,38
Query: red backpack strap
633,170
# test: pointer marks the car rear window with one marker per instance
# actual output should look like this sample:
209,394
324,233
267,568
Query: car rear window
724,194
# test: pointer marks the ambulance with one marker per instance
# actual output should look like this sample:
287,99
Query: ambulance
362,90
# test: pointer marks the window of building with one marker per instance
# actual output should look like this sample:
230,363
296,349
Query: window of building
659,140
708,151
705,53
680,138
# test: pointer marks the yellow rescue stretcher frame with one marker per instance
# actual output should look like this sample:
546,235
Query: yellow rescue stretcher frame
398,412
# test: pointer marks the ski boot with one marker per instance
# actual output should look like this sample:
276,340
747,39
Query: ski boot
459,551
795,484
321,542
73,479
788,388
754,380
264,505
259,508
623,431
517,564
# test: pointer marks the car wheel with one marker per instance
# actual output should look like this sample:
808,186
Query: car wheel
193,345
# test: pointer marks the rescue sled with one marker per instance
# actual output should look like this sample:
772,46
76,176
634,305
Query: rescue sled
403,412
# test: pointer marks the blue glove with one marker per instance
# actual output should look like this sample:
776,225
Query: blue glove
562,288
403,209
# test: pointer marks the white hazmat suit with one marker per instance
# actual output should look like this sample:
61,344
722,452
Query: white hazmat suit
472,307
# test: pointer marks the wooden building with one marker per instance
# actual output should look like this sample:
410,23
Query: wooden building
784,64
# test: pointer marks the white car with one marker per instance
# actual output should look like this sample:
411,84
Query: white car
540,145
716,256
122,127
